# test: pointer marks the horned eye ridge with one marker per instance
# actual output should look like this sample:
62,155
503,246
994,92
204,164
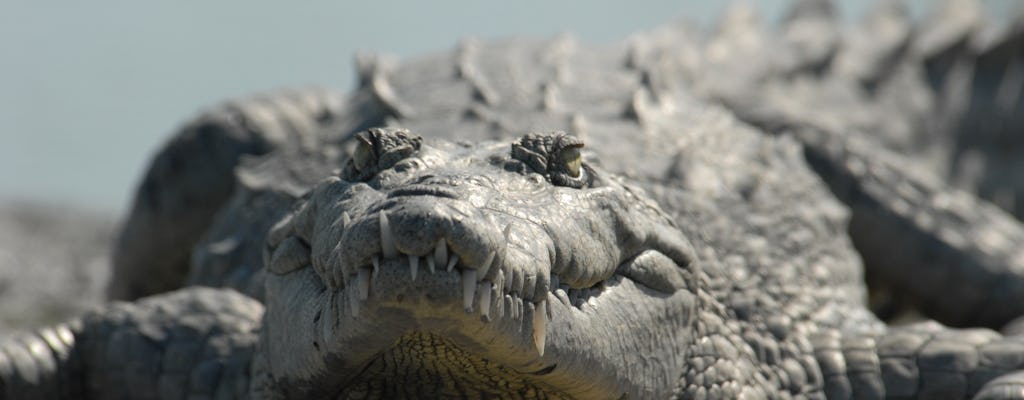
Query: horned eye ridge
378,149
556,156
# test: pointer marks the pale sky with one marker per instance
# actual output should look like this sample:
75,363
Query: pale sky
90,90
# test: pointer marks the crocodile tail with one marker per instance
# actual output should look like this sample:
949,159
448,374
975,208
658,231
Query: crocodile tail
924,360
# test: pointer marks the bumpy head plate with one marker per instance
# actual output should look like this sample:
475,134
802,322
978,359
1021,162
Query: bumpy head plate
425,268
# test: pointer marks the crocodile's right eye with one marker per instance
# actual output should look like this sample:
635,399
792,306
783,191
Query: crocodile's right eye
363,154
378,149
556,156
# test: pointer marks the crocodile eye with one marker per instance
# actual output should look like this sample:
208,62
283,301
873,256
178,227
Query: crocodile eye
556,156
571,160
378,149
363,154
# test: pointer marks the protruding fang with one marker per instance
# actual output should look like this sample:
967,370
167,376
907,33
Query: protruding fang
414,266
441,252
387,238
468,288
508,281
507,231
540,322
376,267
353,302
430,263
345,219
451,263
485,299
363,283
486,266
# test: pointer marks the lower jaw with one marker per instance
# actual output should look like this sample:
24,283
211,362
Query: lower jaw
414,339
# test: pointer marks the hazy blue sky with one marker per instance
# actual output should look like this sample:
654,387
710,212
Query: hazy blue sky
90,90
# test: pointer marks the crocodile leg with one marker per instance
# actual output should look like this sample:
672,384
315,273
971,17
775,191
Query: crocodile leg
923,360
193,342
956,256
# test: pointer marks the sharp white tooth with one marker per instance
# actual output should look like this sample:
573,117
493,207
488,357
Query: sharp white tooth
451,262
508,281
540,322
468,288
414,266
430,263
363,283
485,299
345,219
505,305
486,266
441,252
353,302
387,238
517,308
562,296
507,231
376,267
499,281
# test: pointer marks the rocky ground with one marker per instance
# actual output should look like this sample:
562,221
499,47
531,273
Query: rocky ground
48,255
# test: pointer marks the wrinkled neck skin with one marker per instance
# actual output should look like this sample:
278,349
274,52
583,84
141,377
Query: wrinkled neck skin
462,271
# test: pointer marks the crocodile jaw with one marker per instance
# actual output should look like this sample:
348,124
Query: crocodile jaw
590,351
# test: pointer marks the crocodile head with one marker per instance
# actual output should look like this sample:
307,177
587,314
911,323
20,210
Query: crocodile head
472,270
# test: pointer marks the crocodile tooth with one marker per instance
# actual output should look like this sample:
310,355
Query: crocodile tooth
509,277
414,266
387,238
376,267
451,263
564,298
364,283
540,322
507,231
353,302
441,252
345,219
517,308
499,281
486,266
430,263
505,306
485,299
468,288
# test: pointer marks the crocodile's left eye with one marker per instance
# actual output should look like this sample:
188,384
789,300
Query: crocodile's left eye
378,149
571,161
556,156
363,157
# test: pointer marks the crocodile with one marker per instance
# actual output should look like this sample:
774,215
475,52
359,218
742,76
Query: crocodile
542,219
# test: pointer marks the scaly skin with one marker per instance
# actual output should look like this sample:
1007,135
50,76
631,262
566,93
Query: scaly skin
758,291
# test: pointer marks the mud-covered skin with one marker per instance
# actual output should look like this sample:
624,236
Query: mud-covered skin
777,305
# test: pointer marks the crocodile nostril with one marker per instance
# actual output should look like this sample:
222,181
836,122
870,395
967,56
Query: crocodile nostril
424,190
